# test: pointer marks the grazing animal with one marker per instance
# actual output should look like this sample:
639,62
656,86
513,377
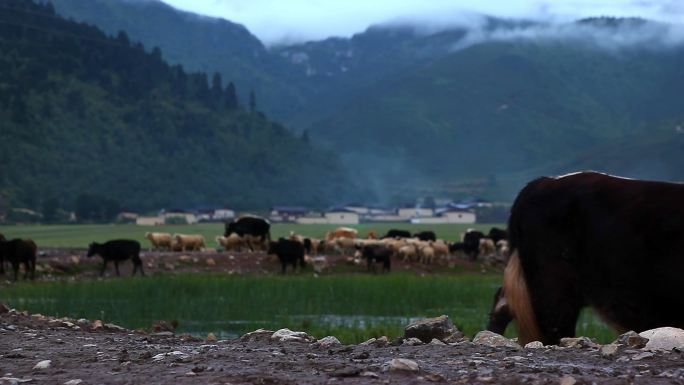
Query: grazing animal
312,245
408,252
455,247
426,236
441,248
289,252
258,228
487,247
395,233
233,242
192,242
590,239
375,254
341,232
160,240
16,252
427,254
471,243
117,250
344,244
496,234
371,234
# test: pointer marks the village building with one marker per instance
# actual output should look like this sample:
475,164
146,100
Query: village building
149,221
287,213
409,212
176,216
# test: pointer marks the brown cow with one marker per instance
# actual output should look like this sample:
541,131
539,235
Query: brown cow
341,232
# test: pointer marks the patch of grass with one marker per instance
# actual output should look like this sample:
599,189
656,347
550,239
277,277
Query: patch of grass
351,307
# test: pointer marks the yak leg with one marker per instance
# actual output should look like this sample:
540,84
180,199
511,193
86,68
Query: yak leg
116,266
15,268
26,269
500,315
104,267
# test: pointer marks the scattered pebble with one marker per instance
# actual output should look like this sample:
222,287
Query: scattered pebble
42,365
491,339
287,335
403,364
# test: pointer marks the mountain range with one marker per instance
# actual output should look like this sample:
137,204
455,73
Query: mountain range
453,111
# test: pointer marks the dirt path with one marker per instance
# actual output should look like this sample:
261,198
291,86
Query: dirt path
99,354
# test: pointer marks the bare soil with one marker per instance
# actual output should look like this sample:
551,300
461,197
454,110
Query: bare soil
73,263
105,354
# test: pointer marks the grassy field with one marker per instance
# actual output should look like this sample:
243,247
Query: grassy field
351,307
82,235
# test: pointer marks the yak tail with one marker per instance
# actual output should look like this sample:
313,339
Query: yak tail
519,302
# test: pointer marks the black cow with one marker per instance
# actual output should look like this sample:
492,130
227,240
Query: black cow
589,239
117,250
288,252
496,234
471,244
375,254
426,236
395,233
308,246
250,225
16,252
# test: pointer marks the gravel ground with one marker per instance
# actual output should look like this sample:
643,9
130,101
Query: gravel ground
87,352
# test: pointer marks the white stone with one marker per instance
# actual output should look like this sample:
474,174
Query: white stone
287,335
327,342
42,365
14,380
403,364
665,338
609,351
74,382
643,355
175,353
488,338
534,345
413,341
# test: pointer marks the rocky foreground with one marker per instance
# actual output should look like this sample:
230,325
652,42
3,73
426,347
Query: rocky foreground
40,349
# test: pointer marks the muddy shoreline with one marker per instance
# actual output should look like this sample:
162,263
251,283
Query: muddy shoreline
93,353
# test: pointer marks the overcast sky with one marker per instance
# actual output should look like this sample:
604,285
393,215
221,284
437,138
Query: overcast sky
275,21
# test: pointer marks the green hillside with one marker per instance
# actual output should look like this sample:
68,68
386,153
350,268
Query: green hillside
528,108
87,114
416,114
198,43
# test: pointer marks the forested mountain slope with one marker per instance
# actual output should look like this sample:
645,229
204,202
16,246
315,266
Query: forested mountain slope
84,113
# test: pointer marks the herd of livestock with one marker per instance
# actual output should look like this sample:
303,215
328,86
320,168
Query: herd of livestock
250,233
583,239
